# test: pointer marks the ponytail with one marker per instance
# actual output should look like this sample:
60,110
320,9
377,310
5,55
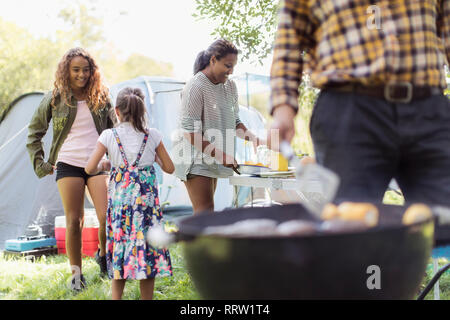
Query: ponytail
131,105
202,61
219,48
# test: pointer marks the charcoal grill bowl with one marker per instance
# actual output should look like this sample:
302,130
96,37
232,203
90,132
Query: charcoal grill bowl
322,266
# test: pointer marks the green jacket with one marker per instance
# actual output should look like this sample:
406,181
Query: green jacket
63,116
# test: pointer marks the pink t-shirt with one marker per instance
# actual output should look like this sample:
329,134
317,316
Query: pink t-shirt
81,139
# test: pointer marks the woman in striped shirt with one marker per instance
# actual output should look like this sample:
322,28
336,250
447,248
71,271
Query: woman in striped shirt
209,122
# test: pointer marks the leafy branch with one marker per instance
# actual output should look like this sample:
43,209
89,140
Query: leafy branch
249,24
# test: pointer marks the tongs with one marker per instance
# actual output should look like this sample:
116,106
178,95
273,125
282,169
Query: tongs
235,169
328,180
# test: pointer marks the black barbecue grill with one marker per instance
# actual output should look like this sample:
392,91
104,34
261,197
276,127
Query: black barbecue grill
319,266
442,238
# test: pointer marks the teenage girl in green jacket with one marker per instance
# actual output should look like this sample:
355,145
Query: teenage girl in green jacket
79,108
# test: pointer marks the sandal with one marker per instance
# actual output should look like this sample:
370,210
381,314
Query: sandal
78,283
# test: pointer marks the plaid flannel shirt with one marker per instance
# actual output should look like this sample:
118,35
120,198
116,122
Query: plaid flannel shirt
369,42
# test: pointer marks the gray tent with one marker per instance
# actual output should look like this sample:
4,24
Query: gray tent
25,199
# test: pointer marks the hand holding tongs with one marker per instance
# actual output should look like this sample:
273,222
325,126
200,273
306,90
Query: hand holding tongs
233,166
236,169
327,179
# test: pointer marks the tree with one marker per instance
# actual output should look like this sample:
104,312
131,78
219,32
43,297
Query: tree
307,98
115,70
26,64
84,23
29,64
138,64
250,24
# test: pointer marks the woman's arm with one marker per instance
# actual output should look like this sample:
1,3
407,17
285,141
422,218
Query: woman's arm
164,159
36,130
243,133
95,165
203,145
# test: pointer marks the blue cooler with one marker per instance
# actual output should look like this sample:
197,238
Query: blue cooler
29,243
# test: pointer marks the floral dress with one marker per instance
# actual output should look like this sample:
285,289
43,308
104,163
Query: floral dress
133,207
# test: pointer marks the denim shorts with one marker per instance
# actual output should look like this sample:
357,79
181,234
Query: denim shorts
64,170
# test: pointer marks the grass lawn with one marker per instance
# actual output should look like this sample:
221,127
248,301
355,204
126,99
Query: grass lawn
48,279
444,281
393,198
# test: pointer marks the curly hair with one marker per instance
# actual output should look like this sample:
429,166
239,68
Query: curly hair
97,93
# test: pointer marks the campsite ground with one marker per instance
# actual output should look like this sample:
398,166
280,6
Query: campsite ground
47,279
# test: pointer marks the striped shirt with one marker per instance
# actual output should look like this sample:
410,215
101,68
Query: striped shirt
355,41
211,109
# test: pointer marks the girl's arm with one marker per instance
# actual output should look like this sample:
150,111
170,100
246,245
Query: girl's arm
95,165
165,161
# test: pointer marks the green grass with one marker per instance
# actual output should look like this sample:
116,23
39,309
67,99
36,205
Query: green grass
393,198
48,279
444,281
390,197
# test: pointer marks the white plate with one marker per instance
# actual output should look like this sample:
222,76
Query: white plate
277,174
252,169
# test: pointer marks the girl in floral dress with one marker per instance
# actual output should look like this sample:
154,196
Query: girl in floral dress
133,203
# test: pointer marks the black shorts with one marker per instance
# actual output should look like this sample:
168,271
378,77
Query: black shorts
64,170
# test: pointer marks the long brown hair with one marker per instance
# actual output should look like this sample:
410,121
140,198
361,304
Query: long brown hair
131,104
219,48
97,93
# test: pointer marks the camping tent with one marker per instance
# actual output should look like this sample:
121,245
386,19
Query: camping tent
25,199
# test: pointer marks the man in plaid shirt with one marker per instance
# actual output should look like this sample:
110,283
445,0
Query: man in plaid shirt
381,113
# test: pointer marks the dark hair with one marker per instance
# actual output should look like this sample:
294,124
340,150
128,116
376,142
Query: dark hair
130,102
219,48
